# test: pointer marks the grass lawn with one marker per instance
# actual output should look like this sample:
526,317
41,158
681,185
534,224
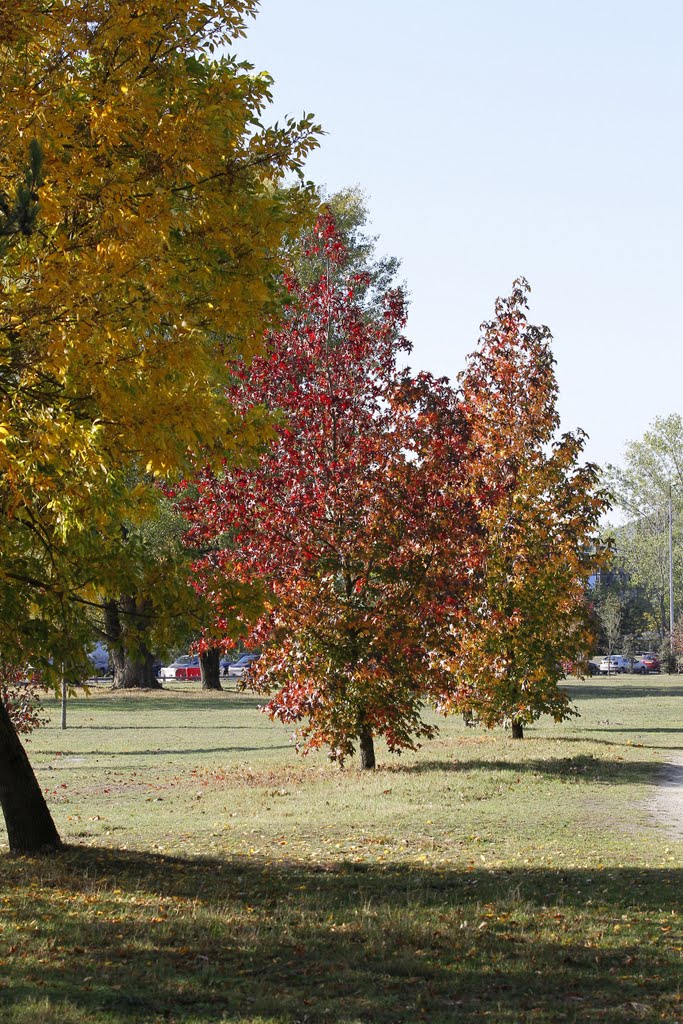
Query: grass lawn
214,876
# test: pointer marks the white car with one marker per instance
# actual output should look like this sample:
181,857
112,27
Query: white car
241,666
99,659
617,663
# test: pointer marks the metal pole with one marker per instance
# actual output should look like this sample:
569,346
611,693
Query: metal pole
64,694
671,575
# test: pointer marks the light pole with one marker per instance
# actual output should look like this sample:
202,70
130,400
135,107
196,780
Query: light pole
671,577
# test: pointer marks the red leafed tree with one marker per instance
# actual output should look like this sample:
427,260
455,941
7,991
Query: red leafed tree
529,613
359,517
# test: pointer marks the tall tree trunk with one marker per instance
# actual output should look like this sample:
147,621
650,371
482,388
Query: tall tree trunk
30,828
114,631
663,617
367,748
210,666
517,729
136,672
133,662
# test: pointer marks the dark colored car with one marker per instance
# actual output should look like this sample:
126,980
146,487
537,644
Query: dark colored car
580,668
651,662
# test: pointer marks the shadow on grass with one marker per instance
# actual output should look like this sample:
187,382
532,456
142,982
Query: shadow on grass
141,752
137,938
583,766
640,732
589,737
162,700
623,691
180,726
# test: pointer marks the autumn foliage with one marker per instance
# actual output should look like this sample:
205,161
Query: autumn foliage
21,692
530,612
142,206
420,544
386,539
359,517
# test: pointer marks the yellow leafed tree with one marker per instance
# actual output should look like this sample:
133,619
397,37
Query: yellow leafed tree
143,207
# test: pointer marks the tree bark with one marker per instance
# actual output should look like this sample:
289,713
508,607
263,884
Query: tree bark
367,748
30,828
210,666
517,729
114,631
132,660
137,672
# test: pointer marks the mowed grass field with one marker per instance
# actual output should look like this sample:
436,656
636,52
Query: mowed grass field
215,876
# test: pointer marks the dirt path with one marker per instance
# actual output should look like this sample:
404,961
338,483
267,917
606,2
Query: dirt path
666,806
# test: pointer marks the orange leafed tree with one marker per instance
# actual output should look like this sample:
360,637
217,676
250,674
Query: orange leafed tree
530,612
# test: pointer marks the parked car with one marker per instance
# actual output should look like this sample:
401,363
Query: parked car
579,668
188,667
236,670
194,671
651,662
99,659
178,668
618,663
190,671
612,666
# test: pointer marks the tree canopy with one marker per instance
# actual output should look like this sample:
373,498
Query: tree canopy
530,612
359,516
143,207
651,472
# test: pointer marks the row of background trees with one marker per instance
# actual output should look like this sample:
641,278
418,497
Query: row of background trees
635,591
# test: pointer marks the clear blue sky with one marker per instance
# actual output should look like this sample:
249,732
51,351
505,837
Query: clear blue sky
497,138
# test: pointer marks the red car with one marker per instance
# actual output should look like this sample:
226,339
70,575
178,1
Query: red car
191,671
651,662
188,667
185,667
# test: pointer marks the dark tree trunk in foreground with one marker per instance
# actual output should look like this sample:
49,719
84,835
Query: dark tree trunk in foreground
30,828
367,748
210,665
517,729
131,659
